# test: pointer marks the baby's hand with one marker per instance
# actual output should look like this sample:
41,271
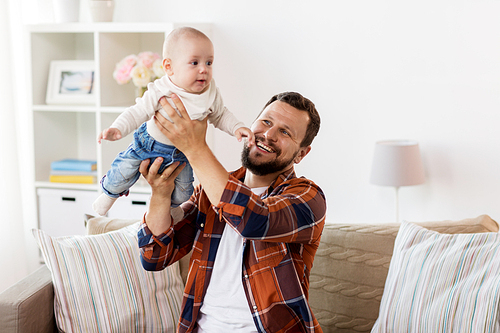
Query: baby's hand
110,134
247,133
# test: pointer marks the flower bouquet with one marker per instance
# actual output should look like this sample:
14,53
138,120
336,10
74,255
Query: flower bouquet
141,69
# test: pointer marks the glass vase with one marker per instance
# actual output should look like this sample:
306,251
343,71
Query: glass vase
139,91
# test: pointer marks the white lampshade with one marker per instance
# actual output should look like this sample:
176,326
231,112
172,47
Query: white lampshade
397,163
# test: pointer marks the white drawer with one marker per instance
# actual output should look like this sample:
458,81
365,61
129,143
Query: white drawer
61,212
132,206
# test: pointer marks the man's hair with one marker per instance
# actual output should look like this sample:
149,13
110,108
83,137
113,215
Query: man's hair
175,35
301,103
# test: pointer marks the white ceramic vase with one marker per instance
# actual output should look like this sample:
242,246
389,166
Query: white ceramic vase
102,10
66,10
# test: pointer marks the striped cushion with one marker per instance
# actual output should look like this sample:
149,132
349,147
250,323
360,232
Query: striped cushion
441,283
100,285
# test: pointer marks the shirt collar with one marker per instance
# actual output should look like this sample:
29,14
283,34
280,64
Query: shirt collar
282,177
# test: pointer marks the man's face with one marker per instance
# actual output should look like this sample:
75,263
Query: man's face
279,130
190,66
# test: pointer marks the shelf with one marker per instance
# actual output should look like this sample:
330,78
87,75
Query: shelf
101,27
78,108
64,108
113,109
68,186
140,189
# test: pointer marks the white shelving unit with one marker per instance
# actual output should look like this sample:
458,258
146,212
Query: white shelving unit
70,131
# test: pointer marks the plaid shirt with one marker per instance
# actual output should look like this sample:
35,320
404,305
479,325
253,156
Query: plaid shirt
282,230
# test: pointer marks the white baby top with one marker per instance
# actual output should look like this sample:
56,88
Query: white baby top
208,104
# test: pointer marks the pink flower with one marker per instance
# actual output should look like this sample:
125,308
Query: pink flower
141,69
122,74
130,60
148,58
122,69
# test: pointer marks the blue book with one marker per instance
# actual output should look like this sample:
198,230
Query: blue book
74,165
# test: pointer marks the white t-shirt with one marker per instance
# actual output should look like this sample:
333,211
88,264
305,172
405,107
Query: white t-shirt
225,307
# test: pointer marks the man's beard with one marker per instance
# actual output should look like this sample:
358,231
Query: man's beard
265,168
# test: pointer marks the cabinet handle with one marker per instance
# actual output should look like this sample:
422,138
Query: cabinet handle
68,199
141,203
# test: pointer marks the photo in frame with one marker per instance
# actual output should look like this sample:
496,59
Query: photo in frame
71,82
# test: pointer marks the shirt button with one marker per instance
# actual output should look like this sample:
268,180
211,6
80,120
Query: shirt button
202,225
255,307
246,276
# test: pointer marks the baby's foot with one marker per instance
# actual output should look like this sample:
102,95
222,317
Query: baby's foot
102,204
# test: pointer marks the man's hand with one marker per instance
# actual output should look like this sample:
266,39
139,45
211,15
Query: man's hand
111,134
162,185
185,134
189,137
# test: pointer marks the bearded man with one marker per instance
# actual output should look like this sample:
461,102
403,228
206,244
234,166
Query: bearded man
252,233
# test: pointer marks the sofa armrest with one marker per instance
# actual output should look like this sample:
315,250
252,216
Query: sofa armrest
28,306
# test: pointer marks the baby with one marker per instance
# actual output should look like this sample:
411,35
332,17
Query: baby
188,55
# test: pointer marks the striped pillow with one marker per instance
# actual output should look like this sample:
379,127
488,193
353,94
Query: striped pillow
441,283
100,285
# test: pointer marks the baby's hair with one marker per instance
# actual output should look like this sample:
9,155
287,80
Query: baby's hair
175,35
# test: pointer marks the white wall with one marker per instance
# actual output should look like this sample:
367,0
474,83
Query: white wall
426,70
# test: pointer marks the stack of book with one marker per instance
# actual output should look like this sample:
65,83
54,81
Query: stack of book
73,171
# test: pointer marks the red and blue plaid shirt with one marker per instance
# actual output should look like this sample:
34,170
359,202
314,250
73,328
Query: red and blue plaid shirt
282,230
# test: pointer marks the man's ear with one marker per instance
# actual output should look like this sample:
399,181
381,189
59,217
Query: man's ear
167,66
303,151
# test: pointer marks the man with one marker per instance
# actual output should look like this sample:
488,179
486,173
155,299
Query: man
253,233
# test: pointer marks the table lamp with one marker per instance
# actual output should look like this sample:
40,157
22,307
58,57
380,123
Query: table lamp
397,163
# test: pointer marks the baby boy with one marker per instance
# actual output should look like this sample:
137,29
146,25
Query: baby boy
188,55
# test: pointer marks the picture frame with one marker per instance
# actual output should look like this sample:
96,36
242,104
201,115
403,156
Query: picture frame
71,82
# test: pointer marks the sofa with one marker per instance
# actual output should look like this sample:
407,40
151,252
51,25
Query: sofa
346,282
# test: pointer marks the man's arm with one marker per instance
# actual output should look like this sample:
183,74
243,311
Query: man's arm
160,242
293,213
189,137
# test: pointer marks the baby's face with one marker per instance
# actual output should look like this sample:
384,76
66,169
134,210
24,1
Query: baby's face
191,64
